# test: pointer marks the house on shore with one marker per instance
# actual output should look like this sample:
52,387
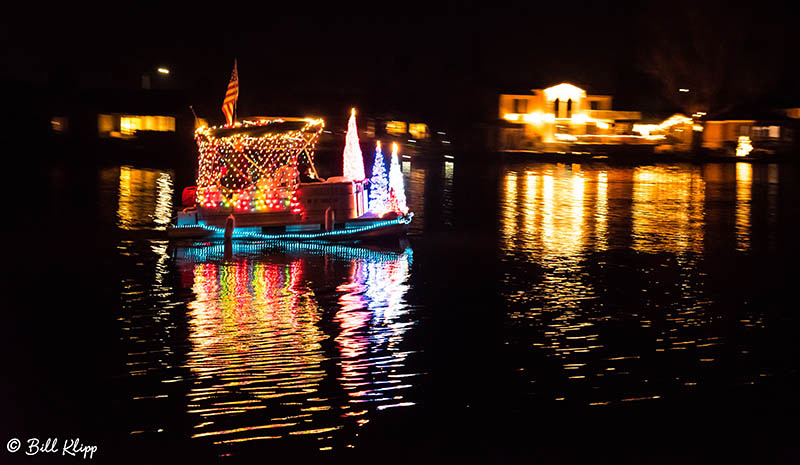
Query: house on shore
155,123
768,131
562,117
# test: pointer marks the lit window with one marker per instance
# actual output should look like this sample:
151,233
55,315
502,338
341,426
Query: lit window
396,127
418,130
59,123
128,125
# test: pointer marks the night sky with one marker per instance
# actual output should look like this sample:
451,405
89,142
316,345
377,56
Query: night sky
434,60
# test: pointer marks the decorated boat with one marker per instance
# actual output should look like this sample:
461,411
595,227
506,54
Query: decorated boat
257,181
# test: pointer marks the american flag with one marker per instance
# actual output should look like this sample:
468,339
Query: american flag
231,96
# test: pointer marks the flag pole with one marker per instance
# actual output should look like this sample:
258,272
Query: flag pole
195,115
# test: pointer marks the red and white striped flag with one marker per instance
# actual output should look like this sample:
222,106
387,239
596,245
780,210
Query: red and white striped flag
231,96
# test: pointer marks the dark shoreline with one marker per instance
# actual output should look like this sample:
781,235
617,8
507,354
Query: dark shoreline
638,159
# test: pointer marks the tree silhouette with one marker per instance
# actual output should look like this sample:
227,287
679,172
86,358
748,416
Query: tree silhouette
723,54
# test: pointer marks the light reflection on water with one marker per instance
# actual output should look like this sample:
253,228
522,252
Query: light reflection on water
673,196
447,193
618,247
145,198
266,349
744,181
415,189
604,272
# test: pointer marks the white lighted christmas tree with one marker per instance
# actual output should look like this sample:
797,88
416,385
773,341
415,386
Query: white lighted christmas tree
378,185
353,160
397,191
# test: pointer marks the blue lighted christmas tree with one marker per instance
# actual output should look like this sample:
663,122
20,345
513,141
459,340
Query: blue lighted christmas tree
378,185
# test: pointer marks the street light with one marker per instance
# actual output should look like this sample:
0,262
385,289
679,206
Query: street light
148,77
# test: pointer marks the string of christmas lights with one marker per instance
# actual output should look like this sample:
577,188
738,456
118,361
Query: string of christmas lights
253,173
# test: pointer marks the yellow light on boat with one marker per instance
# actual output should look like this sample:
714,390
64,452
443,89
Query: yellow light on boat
163,70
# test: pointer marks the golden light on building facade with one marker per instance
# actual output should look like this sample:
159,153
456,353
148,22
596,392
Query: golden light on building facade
418,130
563,113
126,126
564,92
396,127
744,146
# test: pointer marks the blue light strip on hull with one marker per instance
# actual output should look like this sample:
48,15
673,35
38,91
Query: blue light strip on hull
216,251
299,236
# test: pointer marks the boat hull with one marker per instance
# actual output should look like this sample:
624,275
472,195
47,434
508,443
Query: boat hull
354,230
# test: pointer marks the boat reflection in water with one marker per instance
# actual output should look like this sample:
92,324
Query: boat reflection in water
274,328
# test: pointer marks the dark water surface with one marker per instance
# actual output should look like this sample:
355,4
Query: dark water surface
539,313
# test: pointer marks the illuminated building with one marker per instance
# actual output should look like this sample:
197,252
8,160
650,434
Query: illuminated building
674,134
136,119
127,126
562,115
418,131
765,132
415,138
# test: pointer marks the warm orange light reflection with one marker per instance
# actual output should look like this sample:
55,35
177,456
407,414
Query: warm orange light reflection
547,208
601,211
145,198
744,182
668,210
